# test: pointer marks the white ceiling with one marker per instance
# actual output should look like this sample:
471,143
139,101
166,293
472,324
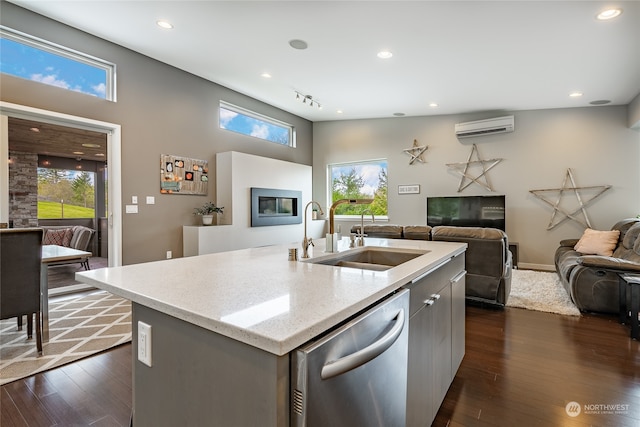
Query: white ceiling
467,56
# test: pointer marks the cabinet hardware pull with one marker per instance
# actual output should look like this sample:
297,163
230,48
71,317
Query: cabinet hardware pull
459,276
435,296
430,301
360,357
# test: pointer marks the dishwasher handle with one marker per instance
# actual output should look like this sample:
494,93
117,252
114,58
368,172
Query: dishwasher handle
359,358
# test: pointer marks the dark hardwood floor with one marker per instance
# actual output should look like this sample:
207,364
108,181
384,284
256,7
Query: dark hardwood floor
521,368
64,275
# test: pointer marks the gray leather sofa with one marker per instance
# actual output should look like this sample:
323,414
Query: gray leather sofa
488,260
592,281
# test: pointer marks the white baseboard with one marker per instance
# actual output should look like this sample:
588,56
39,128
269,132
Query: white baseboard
541,267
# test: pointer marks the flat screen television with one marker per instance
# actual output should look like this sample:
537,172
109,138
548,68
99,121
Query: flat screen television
467,211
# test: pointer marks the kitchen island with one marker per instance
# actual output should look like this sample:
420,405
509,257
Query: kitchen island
223,325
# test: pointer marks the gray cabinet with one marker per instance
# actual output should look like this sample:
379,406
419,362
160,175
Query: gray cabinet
457,321
436,338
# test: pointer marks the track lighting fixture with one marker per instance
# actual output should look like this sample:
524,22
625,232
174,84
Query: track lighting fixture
308,99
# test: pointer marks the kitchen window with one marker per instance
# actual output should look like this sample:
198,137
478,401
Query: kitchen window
250,123
359,180
38,60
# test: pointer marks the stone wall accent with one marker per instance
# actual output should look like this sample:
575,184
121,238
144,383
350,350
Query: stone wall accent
23,189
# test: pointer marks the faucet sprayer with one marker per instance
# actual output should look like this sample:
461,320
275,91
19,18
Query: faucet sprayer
306,242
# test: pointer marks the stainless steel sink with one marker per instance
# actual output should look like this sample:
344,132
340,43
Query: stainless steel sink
370,258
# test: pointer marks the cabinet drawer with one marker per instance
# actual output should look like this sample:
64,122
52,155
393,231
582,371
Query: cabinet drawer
431,284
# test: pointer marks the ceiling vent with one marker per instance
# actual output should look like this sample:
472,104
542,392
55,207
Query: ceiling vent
485,127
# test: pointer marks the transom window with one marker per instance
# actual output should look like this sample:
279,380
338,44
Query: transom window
37,60
359,180
250,123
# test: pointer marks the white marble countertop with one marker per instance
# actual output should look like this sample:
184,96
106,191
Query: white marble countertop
258,297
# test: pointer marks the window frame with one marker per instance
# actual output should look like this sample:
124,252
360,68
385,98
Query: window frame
359,162
68,54
291,143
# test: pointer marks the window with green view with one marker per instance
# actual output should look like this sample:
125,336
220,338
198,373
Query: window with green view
359,180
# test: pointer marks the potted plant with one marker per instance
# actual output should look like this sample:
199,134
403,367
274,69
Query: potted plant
206,211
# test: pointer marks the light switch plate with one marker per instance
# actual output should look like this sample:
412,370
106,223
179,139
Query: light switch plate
151,200
134,200
132,209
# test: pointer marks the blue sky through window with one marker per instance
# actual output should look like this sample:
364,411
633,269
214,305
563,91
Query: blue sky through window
247,125
369,172
35,64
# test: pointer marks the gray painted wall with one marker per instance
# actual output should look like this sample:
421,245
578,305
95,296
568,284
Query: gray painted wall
594,142
162,110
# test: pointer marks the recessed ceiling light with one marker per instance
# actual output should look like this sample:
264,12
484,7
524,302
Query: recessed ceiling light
575,94
266,75
608,14
164,24
34,130
298,44
78,152
100,155
91,145
339,111
433,104
600,102
385,54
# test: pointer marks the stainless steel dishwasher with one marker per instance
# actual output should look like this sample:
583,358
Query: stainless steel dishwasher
356,375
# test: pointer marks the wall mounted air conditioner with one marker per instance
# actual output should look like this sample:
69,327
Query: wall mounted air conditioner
485,127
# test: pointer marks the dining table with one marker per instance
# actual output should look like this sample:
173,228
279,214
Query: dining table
52,254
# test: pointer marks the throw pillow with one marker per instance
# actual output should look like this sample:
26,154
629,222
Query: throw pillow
594,242
60,237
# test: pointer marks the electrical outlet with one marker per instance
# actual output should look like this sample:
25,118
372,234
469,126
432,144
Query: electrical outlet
144,343
169,255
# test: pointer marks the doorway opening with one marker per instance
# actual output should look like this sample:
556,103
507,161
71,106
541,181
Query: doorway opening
107,210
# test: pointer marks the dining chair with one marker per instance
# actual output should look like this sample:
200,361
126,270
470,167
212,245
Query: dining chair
20,264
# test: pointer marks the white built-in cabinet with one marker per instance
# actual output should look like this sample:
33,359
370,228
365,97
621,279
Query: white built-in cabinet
236,174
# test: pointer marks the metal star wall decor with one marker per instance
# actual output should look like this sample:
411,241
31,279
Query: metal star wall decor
416,152
581,203
463,169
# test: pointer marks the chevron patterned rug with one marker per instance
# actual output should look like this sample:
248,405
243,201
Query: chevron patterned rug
78,327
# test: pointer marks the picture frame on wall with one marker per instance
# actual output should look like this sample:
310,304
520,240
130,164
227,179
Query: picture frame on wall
183,175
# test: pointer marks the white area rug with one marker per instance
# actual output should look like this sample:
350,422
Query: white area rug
541,291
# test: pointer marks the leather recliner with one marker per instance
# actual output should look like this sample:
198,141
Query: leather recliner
488,260
592,281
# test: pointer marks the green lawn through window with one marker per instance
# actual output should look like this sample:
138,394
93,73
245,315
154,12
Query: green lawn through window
53,210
